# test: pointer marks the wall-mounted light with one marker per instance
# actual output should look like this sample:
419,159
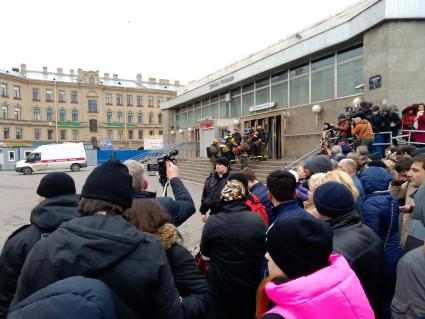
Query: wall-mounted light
172,132
181,131
190,129
316,109
236,122
357,101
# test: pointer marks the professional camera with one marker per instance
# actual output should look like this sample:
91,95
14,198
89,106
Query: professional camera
162,171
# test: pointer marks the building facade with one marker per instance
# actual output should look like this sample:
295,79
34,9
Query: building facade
373,51
39,107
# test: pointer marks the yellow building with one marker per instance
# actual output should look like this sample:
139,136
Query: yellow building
39,107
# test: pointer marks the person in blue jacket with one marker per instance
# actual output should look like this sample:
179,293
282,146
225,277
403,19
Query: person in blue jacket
381,213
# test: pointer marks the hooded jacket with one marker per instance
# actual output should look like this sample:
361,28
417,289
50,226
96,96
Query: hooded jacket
191,284
45,218
318,164
180,208
260,190
334,289
234,240
106,247
70,298
363,250
381,213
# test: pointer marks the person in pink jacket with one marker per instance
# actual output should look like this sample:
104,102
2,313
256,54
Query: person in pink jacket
305,280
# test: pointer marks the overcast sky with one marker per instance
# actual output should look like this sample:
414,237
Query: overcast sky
176,40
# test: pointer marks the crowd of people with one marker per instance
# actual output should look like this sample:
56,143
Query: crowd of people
251,146
340,236
368,124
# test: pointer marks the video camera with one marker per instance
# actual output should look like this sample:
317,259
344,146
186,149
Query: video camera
162,170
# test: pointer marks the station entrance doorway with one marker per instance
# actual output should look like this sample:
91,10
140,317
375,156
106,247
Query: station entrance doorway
272,127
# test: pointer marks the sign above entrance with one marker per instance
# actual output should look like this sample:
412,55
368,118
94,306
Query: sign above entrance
206,125
262,106
222,81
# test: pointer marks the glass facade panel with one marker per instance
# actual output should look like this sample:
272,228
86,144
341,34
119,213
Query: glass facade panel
247,102
206,111
190,118
224,109
280,94
350,75
261,83
177,121
235,107
299,91
214,110
322,62
350,53
277,77
183,119
262,96
300,70
198,115
323,84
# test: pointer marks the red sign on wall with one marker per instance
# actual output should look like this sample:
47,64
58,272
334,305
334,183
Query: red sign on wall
206,125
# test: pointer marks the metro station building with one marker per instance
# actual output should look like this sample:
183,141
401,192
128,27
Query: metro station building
373,51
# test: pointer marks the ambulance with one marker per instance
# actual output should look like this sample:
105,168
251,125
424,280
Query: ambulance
53,157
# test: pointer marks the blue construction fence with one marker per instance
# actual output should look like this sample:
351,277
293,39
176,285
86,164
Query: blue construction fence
122,155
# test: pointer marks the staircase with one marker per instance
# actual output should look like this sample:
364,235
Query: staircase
196,170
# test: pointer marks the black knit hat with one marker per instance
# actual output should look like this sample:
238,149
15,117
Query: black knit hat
110,182
239,177
223,161
333,199
55,184
299,246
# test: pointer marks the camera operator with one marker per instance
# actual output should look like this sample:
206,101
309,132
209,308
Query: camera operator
180,208
344,127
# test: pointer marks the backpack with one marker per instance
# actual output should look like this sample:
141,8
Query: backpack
257,207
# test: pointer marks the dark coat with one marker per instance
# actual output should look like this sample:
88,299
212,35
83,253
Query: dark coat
180,208
70,298
290,209
363,250
191,284
234,240
45,218
260,190
132,263
391,123
381,213
212,192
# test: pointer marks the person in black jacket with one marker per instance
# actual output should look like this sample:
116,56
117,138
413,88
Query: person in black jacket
233,238
71,298
180,208
149,216
355,241
390,122
213,186
101,244
58,204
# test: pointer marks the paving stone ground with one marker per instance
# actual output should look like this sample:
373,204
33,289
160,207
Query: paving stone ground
18,196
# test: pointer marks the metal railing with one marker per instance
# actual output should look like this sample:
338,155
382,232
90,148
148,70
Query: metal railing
302,159
186,150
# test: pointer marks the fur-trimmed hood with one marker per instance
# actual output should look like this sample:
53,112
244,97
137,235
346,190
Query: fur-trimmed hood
169,235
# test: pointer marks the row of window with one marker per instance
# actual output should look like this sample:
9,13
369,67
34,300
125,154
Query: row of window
17,115
335,75
4,91
74,134
139,119
49,94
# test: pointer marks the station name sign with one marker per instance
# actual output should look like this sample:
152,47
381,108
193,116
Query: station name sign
262,106
222,81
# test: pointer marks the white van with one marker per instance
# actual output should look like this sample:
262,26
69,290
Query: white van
54,156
